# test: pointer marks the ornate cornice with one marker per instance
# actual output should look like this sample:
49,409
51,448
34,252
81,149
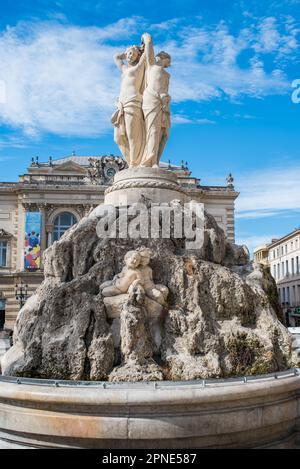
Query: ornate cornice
48,209
5,234
37,206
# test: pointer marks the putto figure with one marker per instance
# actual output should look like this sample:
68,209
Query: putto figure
154,291
136,271
128,119
123,281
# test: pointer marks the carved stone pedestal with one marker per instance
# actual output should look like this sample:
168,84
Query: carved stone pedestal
138,184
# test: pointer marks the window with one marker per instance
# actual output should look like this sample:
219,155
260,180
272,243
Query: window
287,268
293,266
278,270
62,223
297,264
3,253
282,269
274,271
294,299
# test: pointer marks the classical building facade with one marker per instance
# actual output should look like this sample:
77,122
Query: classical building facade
283,257
284,261
52,196
261,254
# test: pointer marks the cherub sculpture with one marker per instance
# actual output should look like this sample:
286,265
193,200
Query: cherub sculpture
136,271
121,283
156,292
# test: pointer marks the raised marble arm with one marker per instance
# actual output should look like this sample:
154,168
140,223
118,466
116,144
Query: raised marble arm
118,58
149,51
141,62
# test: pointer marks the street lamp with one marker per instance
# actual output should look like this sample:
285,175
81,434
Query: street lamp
21,293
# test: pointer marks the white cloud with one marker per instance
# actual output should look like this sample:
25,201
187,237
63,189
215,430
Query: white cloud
254,214
61,79
12,141
276,38
182,119
207,63
268,36
268,192
253,242
58,80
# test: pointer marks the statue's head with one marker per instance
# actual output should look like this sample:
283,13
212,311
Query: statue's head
163,59
133,54
132,259
145,254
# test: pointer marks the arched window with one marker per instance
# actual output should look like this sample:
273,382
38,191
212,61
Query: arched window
62,223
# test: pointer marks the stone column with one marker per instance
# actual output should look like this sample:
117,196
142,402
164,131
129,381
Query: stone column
49,231
42,209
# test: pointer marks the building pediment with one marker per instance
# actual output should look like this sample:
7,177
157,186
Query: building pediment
68,166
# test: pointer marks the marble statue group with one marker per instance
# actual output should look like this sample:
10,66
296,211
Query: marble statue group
142,119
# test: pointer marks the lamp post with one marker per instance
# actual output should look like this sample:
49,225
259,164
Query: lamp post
2,312
21,293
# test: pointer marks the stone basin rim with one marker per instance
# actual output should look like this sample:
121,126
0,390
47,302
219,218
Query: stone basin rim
124,415
200,383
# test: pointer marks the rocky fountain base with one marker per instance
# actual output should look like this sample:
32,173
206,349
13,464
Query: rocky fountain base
169,322
219,319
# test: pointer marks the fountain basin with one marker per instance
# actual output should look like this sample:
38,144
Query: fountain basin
236,413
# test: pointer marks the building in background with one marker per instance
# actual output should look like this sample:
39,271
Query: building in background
284,261
261,255
53,196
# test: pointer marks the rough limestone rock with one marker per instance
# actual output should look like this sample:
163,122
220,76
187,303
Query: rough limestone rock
221,319
62,333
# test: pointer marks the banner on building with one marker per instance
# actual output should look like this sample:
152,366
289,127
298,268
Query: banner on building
32,249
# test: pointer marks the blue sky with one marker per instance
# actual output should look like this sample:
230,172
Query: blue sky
233,64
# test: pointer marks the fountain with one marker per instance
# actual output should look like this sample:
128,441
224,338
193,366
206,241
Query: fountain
164,337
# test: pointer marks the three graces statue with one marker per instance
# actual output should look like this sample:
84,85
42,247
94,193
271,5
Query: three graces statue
142,120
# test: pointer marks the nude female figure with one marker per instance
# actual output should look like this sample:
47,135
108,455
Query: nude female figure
156,103
128,121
